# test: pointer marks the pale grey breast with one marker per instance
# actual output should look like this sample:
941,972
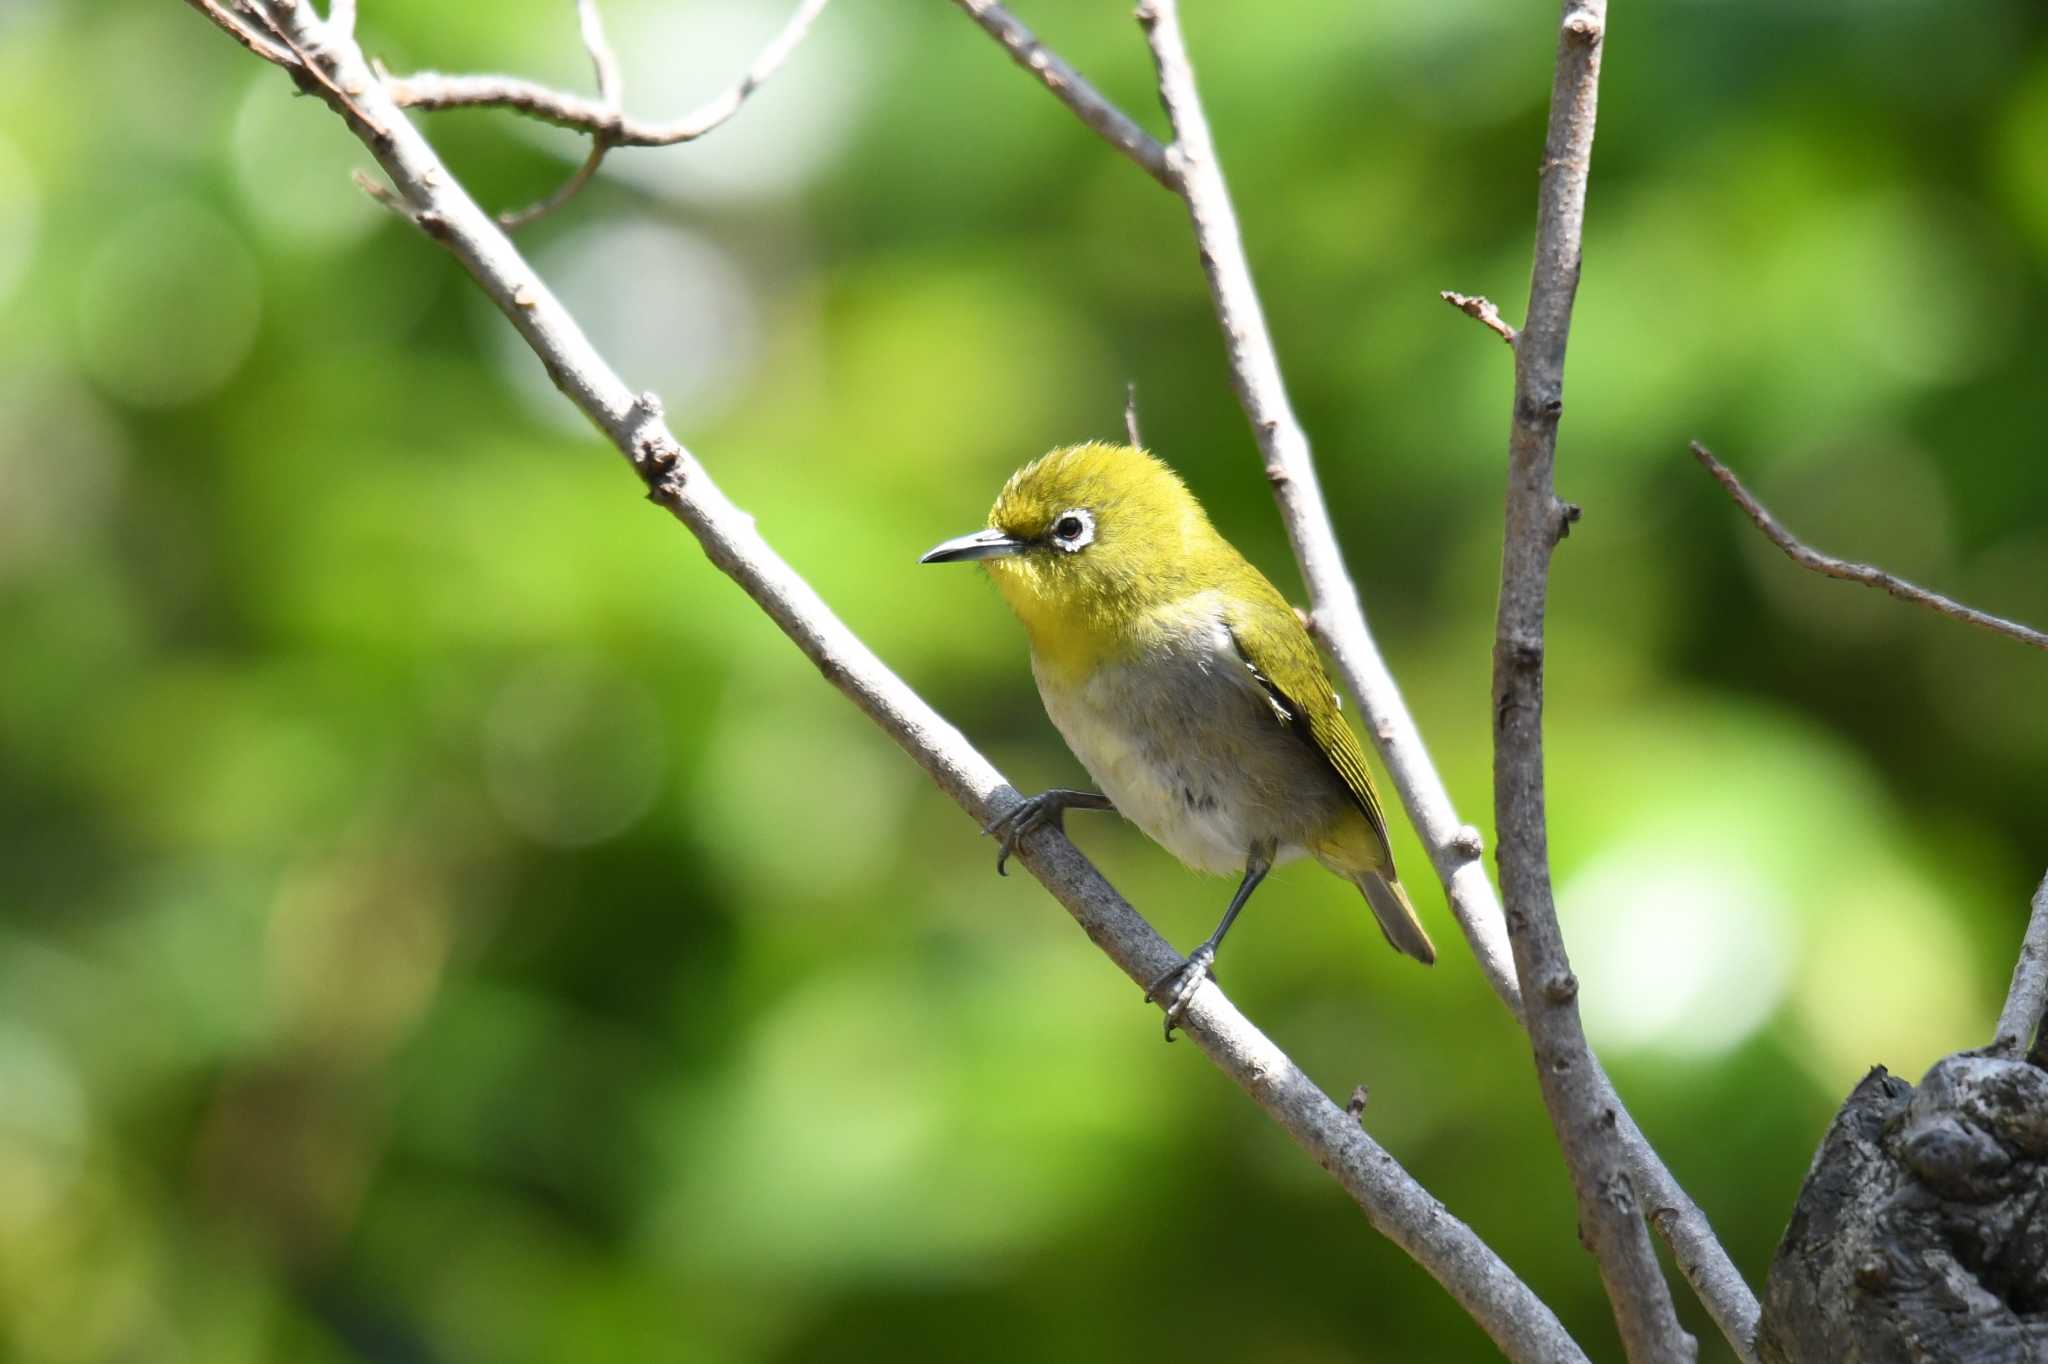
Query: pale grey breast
1195,751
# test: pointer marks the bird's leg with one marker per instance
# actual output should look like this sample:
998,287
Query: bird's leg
1189,973
1035,812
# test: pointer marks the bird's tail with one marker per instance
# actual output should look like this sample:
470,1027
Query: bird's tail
1397,917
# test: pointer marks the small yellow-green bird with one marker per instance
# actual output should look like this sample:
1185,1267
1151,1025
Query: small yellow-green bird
1184,683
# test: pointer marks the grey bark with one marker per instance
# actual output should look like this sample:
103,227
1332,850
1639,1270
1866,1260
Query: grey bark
1920,1235
330,66
1191,168
1581,1108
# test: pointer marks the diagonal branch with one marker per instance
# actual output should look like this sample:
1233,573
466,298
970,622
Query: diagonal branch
1397,1206
1829,566
1283,445
2027,999
1116,127
1339,621
2020,1020
1610,1215
433,90
223,13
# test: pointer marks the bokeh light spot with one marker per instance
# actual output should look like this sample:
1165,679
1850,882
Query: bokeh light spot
676,57
20,206
669,310
1678,954
169,306
1890,979
292,167
42,1128
574,751
61,455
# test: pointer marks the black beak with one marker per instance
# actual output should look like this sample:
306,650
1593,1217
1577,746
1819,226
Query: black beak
983,544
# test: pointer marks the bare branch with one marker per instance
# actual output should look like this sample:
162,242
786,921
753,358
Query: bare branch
1610,1213
432,90
604,65
1829,566
1283,445
563,193
1073,90
1479,310
1131,415
1337,619
2027,999
1517,1321
380,192
313,78
243,32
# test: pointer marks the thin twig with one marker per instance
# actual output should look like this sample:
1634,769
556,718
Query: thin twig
1517,1321
244,33
1611,1214
1283,446
433,90
1131,415
604,65
1476,307
1337,618
380,192
1455,848
563,193
1116,127
1829,566
2020,1019
311,74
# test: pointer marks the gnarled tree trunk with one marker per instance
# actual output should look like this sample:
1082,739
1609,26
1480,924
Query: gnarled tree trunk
1921,1235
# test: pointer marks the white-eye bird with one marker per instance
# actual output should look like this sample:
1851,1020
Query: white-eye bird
1185,684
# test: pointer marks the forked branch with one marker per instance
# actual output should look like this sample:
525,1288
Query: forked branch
1072,89
1611,1213
233,21
431,91
604,118
1190,168
1518,1322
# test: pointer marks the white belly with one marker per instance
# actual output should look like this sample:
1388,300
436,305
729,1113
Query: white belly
1188,746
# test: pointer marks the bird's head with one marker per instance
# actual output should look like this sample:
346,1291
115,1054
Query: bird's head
1087,538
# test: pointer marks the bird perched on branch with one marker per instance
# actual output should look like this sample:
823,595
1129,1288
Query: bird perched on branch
1185,684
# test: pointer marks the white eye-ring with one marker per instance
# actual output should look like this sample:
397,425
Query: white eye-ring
1074,529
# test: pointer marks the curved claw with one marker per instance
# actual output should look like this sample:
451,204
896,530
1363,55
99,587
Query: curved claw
1028,814
1036,812
1189,975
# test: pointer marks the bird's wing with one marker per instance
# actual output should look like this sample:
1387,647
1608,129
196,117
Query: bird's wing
1272,643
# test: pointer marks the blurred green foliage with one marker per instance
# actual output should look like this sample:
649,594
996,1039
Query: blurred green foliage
441,919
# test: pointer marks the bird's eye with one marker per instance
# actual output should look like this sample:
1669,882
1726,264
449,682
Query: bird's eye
1071,530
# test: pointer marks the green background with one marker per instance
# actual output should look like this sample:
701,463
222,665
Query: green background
441,919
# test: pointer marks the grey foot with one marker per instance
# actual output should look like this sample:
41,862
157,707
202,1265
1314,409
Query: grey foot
1184,978
1036,812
